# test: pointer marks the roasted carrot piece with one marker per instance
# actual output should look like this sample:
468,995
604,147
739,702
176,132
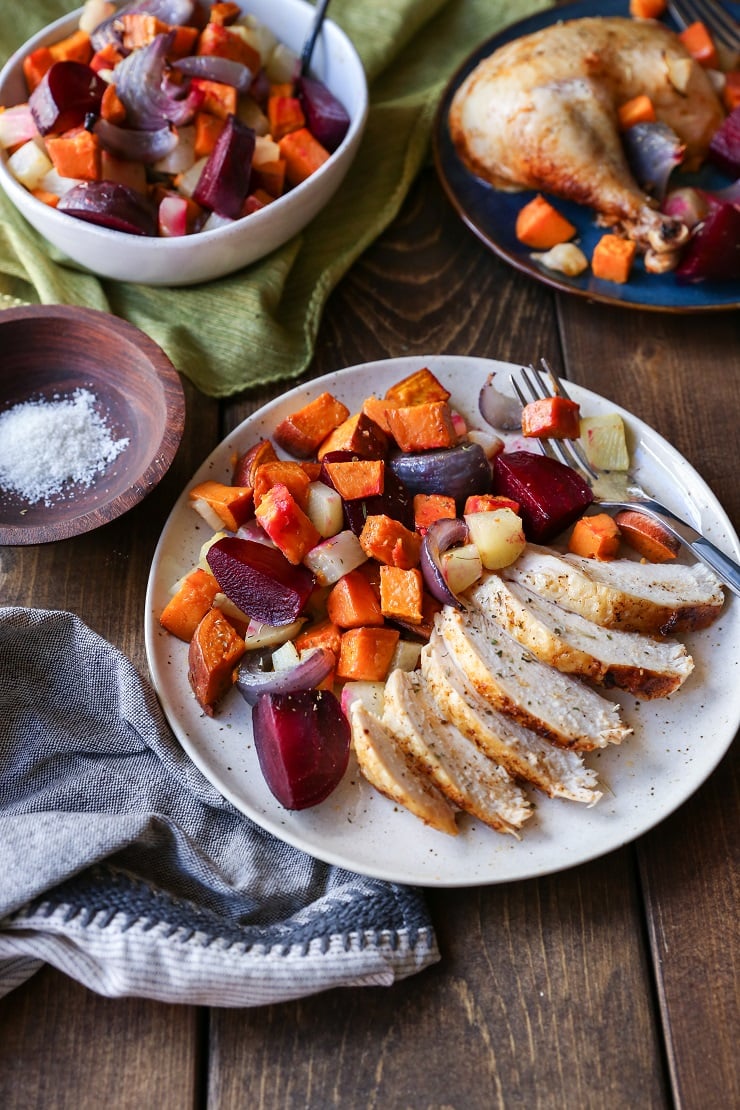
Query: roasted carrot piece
647,9
207,130
366,654
417,389
422,427
184,39
36,64
218,99
377,409
551,418
215,651
640,109
46,197
323,634
284,114
731,90
286,524
489,502
357,478
139,29
75,153
112,107
401,593
77,47
700,44
224,13
304,430
540,225
612,258
107,57
186,608
218,41
358,434
388,541
290,474
269,177
595,537
303,155
430,507
221,505
352,602
647,537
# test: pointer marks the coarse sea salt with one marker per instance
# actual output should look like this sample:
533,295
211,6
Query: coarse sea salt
49,448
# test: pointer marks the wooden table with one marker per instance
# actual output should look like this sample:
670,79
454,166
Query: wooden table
614,984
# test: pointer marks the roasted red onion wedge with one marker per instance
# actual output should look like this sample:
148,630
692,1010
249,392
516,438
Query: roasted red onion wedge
499,409
551,496
252,680
302,741
110,205
260,580
135,146
66,94
213,68
150,100
440,537
456,471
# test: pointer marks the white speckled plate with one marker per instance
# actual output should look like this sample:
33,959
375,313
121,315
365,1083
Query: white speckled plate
676,744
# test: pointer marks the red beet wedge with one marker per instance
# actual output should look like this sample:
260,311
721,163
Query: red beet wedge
302,741
551,495
66,94
260,580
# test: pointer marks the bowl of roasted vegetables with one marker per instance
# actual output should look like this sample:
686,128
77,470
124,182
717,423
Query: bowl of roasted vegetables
171,142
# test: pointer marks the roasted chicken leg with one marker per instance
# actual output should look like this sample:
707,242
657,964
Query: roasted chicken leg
541,113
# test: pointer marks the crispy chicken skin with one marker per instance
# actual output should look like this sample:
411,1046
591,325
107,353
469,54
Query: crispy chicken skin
541,113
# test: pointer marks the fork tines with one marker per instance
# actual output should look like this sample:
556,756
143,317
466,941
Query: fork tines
717,19
546,383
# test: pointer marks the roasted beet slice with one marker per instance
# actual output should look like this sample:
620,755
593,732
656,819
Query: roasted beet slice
326,117
302,741
551,495
260,580
224,183
713,252
67,93
724,149
111,205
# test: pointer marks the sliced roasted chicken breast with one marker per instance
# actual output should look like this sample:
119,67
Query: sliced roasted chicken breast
557,772
451,760
620,593
633,661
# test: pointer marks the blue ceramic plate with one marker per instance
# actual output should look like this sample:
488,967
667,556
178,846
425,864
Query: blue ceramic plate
491,214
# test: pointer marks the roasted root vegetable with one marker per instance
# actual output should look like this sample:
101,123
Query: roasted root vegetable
595,537
700,44
612,258
551,418
365,654
387,541
303,432
286,524
353,603
222,506
418,388
639,109
551,496
260,580
214,652
357,478
189,604
429,507
357,435
648,537
422,427
540,225
603,440
401,593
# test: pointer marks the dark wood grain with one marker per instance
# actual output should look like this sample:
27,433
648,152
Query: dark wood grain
609,985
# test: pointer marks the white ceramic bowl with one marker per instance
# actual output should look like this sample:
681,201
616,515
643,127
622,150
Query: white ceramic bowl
208,254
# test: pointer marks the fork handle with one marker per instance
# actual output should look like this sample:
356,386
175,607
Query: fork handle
726,569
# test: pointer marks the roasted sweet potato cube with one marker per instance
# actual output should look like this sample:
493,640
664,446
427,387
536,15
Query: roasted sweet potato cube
189,604
284,114
323,634
401,593
222,506
217,98
430,507
303,431
488,502
388,541
218,41
75,153
422,427
551,418
352,602
418,388
366,654
377,409
358,434
290,474
357,478
214,653
286,524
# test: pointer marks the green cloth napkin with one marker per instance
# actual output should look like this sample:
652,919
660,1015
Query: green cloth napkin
259,325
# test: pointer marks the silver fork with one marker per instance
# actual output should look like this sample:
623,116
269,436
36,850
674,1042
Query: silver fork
613,490
718,21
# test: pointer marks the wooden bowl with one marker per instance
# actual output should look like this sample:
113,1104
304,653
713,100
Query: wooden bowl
48,352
